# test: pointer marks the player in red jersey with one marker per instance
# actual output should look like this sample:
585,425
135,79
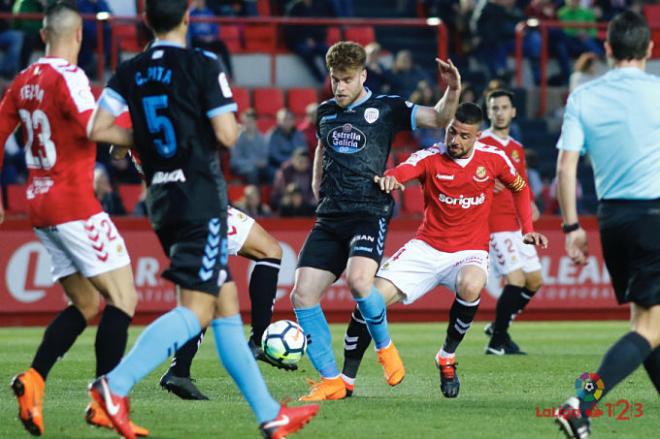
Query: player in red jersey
450,248
52,101
517,262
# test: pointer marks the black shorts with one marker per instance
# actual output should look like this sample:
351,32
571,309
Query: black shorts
630,235
335,239
198,255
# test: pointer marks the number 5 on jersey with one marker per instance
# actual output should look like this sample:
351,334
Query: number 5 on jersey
159,124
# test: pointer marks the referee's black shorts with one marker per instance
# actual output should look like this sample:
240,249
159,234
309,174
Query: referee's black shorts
630,235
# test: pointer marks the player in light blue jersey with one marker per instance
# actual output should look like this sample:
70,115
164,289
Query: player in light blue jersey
616,120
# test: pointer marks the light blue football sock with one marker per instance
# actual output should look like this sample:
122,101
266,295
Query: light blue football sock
157,342
373,311
319,340
235,355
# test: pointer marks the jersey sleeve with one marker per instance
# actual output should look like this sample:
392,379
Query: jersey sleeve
113,98
508,174
218,97
77,97
9,120
414,167
403,113
572,132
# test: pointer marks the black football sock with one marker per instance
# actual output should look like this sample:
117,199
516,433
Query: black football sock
111,338
183,358
652,366
263,287
461,315
523,300
58,339
507,308
356,342
620,361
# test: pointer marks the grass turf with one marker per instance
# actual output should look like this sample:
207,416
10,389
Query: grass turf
499,395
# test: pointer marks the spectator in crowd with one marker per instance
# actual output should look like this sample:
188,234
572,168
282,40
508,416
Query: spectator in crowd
283,139
585,69
405,74
606,9
427,95
343,8
468,94
580,40
14,169
557,45
11,44
232,8
109,199
251,203
308,127
377,79
205,35
249,156
308,42
493,25
293,203
298,170
29,27
90,33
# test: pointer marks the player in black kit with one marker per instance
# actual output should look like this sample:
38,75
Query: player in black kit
181,107
355,131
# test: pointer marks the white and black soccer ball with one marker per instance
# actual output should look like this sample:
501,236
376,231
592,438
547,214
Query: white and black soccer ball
284,341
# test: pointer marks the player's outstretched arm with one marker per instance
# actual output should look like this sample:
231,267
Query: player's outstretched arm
102,128
317,171
443,112
388,183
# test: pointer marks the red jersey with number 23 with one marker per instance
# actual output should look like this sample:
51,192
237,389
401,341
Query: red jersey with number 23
458,194
503,215
53,102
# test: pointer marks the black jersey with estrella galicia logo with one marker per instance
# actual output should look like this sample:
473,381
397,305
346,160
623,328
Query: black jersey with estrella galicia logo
172,93
357,141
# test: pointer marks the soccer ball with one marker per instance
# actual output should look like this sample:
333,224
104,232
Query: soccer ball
284,341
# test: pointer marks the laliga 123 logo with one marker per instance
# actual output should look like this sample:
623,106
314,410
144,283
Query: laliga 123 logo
589,387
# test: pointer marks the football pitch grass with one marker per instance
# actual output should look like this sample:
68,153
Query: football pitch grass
500,397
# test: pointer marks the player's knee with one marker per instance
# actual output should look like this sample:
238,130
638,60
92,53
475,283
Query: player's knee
469,289
534,281
273,250
516,278
88,305
125,299
360,283
301,298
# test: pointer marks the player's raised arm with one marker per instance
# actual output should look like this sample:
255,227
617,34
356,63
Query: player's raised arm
443,112
317,170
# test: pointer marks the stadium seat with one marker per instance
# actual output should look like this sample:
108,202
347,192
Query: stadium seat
652,14
299,98
264,124
413,200
16,199
333,35
267,101
655,36
130,195
404,139
260,38
126,35
235,192
231,36
96,91
265,193
361,35
242,98
263,8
